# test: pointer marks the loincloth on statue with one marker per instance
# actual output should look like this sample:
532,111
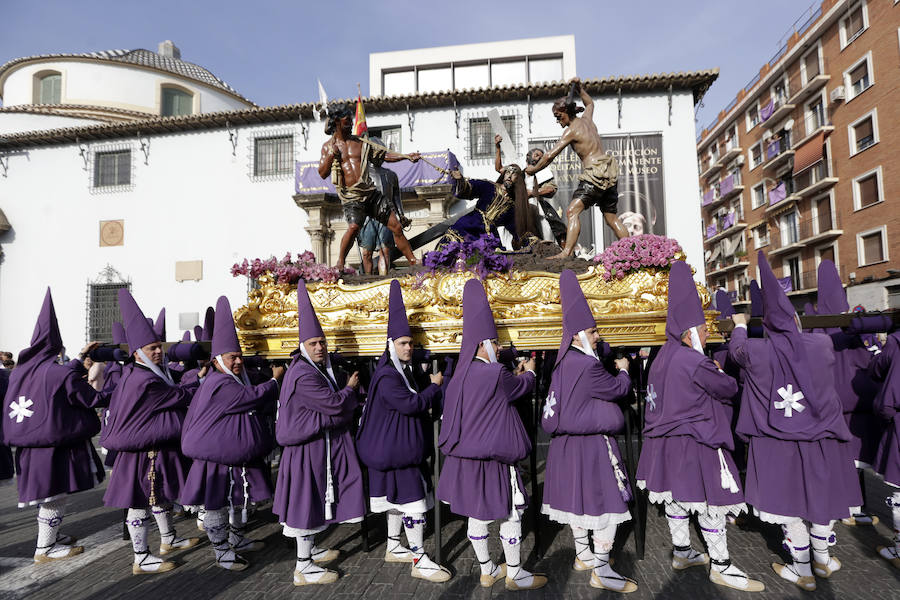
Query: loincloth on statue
365,201
597,185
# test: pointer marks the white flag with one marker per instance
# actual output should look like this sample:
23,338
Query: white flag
323,101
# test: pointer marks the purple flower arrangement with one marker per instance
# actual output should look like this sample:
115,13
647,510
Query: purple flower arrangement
479,256
638,252
288,270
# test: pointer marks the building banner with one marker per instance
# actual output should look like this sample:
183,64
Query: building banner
642,202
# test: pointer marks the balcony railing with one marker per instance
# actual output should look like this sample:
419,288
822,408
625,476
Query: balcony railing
814,82
805,232
778,150
776,109
808,278
814,180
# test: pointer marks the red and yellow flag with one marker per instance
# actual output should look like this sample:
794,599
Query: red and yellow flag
359,123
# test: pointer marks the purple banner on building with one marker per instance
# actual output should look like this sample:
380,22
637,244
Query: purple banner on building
728,221
766,111
726,185
772,149
708,196
307,180
710,230
787,284
777,194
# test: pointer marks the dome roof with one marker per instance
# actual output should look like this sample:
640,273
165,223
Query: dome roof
143,58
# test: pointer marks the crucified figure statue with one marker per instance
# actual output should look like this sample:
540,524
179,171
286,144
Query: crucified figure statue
597,183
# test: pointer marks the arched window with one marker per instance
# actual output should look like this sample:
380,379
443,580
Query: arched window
49,88
176,102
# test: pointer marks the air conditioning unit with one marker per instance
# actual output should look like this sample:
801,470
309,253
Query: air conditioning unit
837,94
740,160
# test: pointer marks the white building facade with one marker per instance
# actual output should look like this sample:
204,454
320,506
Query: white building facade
166,204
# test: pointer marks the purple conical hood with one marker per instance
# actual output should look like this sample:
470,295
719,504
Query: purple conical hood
159,328
308,322
208,324
198,333
577,315
224,337
756,301
186,336
809,309
778,312
685,309
398,323
138,332
46,342
832,295
723,304
478,320
118,333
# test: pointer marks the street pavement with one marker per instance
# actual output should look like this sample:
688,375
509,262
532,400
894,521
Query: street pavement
104,572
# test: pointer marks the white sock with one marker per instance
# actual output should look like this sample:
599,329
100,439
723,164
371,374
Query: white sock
49,518
415,533
216,523
894,502
511,539
582,545
163,516
820,538
796,537
714,533
394,527
679,526
603,544
136,521
236,526
478,536
305,565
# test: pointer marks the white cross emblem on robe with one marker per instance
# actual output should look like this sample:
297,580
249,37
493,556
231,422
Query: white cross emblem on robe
20,409
790,400
548,406
651,398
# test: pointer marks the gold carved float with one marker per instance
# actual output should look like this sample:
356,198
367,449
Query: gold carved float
629,312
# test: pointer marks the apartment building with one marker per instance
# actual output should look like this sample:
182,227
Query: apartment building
802,164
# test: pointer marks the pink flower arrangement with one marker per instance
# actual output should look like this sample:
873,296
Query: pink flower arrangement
287,270
638,252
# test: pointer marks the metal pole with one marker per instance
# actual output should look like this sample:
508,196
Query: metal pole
436,473
532,458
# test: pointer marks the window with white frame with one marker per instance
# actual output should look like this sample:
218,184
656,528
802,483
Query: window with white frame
273,156
815,115
863,132
867,189
780,91
753,116
49,88
112,168
792,268
859,77
481,137
756,155
176,102
758,197
871,246
811,65
391,136
854,23
790,231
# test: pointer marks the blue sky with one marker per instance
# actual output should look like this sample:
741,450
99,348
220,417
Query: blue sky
272,51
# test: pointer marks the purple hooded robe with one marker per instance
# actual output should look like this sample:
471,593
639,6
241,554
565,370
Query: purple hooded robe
585,481
688,440
855,387
144,427
224,409
311,410
48,415
7,468
886,368
482,435
798,465
391,440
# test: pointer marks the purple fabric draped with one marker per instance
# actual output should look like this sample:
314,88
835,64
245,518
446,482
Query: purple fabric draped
726,185
307,180
711,230
777,194
766,111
